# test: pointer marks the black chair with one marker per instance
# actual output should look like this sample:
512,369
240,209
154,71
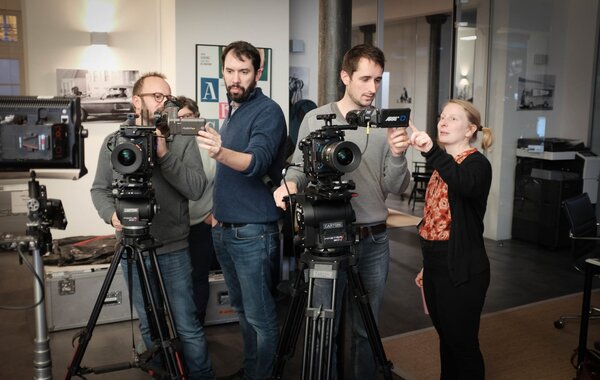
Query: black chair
584,241
421,175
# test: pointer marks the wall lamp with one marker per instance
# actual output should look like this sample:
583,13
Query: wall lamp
98,38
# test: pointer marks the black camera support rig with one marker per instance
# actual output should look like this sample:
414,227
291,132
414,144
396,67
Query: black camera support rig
324,216
133,158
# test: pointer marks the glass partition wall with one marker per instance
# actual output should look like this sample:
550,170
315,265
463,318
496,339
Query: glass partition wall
528,66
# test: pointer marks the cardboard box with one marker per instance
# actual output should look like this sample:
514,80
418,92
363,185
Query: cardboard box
218,310
71,293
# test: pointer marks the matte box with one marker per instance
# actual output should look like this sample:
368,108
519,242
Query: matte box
219,309
71,293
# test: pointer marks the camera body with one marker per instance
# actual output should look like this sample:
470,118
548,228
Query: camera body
179,126
134,152
323,212
326,155
132,158
170,124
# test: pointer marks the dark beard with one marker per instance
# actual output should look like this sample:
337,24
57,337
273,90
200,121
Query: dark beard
244,95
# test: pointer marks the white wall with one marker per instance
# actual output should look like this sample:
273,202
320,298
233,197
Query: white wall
57,35
304,26
263,23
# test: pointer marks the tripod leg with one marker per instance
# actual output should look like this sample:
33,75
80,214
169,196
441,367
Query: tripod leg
291,326
85,335
320,319
161,324
42,359
366,313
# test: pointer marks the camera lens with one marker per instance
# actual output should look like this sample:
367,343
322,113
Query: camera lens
345,156
126,157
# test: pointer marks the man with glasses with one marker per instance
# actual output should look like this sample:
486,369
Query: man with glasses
177,177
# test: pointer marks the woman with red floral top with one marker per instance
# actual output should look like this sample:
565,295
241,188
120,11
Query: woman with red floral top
456,270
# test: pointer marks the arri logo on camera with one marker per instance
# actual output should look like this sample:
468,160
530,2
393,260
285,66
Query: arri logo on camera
379,118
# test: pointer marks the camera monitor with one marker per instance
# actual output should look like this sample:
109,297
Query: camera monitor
41,133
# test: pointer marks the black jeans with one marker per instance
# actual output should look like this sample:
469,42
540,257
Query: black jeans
203,258
455,312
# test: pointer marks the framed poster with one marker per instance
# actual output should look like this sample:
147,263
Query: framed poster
105,94
211,94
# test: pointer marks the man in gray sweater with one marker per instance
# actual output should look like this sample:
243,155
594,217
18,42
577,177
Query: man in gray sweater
177,177
383,169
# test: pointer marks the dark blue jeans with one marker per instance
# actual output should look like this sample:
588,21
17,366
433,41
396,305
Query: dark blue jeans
247,254
176,272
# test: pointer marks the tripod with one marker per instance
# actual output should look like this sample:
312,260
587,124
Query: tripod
320,328
160,319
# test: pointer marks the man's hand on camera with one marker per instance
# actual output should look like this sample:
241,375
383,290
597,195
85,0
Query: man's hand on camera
161,144
116,222
282,192
398,141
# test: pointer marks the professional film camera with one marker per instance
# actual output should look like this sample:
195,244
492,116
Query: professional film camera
133,157
323,212
40,133
324,217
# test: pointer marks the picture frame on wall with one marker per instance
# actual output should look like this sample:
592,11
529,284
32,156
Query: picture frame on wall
211,94
536,93
105,94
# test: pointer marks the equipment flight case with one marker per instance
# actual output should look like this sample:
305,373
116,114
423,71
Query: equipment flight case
218,309
71,292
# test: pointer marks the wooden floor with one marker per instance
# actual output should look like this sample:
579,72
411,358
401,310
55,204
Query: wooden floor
521,273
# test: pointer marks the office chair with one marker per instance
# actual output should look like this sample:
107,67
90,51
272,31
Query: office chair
584,241
421,175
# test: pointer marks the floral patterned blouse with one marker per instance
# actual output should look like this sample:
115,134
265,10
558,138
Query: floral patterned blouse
436,213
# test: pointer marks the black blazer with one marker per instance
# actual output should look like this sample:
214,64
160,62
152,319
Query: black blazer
468,188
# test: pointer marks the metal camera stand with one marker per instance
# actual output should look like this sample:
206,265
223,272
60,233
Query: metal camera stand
42,215
136,244
320,320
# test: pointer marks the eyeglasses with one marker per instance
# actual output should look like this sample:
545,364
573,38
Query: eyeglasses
158,96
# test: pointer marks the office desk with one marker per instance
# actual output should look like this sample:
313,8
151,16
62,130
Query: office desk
592,267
